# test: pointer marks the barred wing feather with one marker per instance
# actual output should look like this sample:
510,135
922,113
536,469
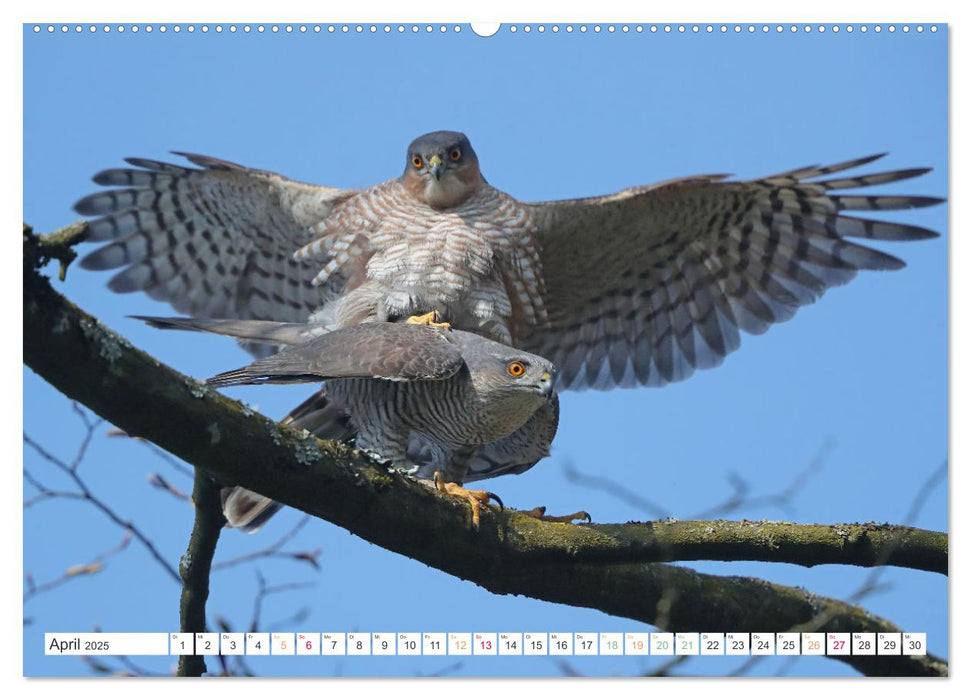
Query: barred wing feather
646,285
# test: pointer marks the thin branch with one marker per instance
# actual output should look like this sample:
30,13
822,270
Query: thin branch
273,551
232,665
196,564
46,493
871,582
924,492
33,481
298,618
160,482
618,491
264,591
84,493
738,499
781,499
96,565
176,464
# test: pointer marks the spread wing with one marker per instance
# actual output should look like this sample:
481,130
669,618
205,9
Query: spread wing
646,285
213,241
395,351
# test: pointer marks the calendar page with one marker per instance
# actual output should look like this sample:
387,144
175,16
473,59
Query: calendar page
602,349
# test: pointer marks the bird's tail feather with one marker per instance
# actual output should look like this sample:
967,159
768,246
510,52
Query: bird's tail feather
247,510
259,331
323,417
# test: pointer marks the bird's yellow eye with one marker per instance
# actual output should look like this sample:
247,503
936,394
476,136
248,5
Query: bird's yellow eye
455,153
516,369
417,161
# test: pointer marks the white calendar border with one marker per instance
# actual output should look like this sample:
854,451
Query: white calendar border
701,10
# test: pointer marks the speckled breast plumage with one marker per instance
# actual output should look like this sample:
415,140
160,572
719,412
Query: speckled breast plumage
476,263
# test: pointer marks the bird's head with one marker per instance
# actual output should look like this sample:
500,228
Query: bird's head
504,376
511,385
442,170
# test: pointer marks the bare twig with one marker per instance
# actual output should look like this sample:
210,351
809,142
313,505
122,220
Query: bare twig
615,489
738,499
781,499
871,582
273,551
176,464
232,665
84,493
94,566
160,482
263,592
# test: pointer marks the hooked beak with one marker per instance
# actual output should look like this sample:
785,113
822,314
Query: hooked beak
546,384
436,167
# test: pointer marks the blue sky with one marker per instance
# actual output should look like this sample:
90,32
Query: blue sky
550,116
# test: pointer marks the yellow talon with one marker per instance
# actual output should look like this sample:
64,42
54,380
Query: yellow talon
474,498
433,318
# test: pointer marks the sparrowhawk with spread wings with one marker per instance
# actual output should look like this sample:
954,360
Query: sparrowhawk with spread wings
640,287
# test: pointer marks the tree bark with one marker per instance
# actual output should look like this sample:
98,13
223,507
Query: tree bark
196,565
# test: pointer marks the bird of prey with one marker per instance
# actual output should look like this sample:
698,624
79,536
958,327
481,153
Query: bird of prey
470,407
640,287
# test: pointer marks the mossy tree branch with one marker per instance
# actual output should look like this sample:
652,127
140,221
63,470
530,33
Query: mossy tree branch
608,567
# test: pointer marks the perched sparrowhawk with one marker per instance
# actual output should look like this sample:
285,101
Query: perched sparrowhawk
640,287
430,401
